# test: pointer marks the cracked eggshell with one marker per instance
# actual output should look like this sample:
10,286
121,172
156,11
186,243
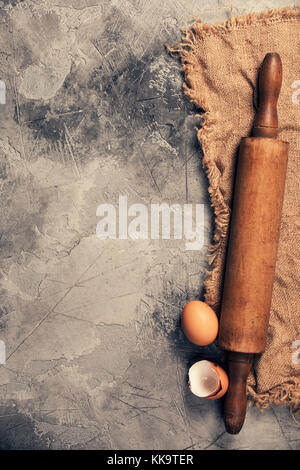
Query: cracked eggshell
199,323
208,380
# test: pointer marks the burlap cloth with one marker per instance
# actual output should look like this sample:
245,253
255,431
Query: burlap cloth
220,64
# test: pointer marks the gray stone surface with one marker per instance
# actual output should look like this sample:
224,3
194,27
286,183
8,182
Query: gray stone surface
95,355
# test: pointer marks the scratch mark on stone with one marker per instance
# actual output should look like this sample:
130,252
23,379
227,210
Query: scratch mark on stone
67,136
74,318
162,301
148,99
149,398
281,430
17,426
185,419
177,408
17,97
142,411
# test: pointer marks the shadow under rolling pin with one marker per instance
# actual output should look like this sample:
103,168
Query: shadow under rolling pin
253,243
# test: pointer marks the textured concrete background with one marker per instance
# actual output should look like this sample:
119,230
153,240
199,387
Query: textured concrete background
95,357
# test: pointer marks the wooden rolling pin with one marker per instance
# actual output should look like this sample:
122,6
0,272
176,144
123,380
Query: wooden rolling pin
253,242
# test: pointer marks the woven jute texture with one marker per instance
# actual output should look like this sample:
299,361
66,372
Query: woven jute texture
221,64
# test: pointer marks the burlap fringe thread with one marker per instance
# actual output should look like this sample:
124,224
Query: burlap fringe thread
286,393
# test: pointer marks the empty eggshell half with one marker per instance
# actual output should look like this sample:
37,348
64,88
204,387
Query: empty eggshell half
208,380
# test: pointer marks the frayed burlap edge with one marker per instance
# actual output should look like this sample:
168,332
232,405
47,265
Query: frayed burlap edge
287,393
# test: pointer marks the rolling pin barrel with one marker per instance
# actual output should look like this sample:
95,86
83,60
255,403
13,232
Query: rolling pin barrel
253,243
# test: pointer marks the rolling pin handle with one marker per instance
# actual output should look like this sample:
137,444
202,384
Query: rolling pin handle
270,78
239,366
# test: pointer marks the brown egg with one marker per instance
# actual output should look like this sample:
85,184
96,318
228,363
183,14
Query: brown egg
208,380
199,323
